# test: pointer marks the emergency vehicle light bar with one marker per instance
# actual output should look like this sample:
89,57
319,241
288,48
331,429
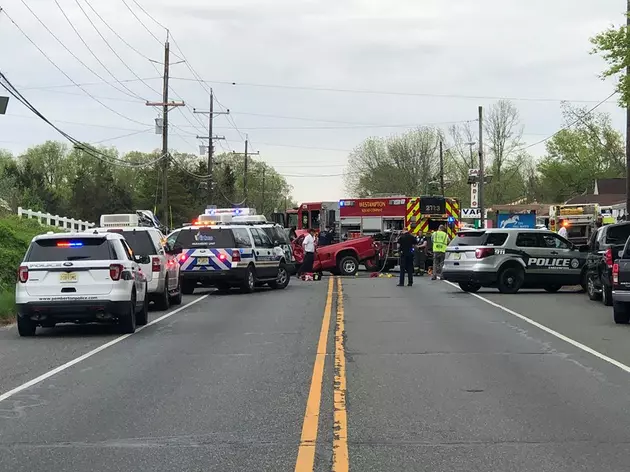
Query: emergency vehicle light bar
230,211
253,219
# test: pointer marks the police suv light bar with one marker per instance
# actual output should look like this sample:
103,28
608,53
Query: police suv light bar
213,219
230,211
112,221
252,219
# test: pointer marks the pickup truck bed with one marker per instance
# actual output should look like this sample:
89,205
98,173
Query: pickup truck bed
340,258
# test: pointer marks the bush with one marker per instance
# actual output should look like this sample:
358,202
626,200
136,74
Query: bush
15,236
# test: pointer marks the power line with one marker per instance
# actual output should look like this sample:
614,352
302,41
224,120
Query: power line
83,84
141,22
65,74
385,92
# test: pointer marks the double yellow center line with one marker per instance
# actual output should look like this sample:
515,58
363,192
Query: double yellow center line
306,453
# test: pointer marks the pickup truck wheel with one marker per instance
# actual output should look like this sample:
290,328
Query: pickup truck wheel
348,265
607,296
469,287
510,280
26,327
592,292
621,314
552,288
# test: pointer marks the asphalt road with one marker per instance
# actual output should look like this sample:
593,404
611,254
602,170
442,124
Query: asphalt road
324,375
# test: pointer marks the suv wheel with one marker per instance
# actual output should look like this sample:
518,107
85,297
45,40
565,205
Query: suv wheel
469,287
607,295
348,265
177,298
249,283
282,280
621,314
163,300
592,292
143,315
128,320
26,327
187,286
510,280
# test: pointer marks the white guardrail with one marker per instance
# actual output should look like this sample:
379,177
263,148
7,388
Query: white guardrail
67,224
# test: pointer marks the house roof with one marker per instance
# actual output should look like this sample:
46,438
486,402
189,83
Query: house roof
610,186
601,199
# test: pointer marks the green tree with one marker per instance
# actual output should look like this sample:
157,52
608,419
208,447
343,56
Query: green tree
591,150
614,46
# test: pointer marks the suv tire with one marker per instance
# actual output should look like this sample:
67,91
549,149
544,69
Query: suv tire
187,286
177,298
592,292
128,320
469,287
26,327
348,265
142,317
621,314
607,298
249,282
163,300
510,279
282,279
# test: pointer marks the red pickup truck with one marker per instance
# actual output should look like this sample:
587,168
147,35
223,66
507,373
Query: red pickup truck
341,258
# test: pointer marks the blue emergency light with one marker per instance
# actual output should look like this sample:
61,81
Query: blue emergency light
451,219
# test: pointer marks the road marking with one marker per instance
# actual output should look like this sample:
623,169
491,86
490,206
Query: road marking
306,453
340,461
558,335
87,355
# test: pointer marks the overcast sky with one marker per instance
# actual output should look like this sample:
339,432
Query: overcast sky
434,54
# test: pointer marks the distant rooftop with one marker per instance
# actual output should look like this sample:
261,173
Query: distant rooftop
610,187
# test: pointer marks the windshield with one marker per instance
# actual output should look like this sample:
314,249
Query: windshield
205,237
292,220
618,234
50,250
577,231
469,238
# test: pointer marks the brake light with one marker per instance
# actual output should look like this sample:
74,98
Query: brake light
183,257
236,255
484,252
608,257
615,274
156,266
23,274
222,257
115,271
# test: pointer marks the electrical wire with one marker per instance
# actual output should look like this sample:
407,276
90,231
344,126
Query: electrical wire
17,115
88,149
66,75
141,22
384,92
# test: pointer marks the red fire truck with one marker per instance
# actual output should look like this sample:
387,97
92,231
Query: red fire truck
365,216
317,215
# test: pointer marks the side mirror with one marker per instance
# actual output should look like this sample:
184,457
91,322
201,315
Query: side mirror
276,242
142,259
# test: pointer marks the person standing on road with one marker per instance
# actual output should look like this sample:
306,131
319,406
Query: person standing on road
406,243
440,241
309,252
420,256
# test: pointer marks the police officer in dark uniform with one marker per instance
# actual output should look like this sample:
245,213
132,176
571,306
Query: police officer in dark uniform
406,243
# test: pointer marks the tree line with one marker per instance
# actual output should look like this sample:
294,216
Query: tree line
408,164
73,182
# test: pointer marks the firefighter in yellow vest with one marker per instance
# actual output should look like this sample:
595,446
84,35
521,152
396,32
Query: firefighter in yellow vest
440,241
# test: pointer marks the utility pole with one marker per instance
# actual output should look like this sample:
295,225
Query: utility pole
262,203
246,154
481,170
442,165
211,139
165,104
628,128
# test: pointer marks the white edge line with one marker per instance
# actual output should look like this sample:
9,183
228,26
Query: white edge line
577,344
89,354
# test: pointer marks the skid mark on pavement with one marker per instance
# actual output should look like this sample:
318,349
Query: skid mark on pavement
558,335
340,462
306,452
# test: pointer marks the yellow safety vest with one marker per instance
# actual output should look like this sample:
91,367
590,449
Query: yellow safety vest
440,241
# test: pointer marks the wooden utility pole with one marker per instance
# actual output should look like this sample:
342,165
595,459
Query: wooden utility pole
262,203
481,170
165,104
211,139
246,154
628,127
442,166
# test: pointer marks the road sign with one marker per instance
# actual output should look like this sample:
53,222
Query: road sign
471,213
474,193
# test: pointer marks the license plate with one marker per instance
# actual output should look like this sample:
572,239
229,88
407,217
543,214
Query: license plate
68,277
202,260
457,256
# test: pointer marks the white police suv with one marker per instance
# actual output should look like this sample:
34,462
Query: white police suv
228,255
142,233
80,278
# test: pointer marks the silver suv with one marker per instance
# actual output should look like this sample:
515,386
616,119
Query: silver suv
511,259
